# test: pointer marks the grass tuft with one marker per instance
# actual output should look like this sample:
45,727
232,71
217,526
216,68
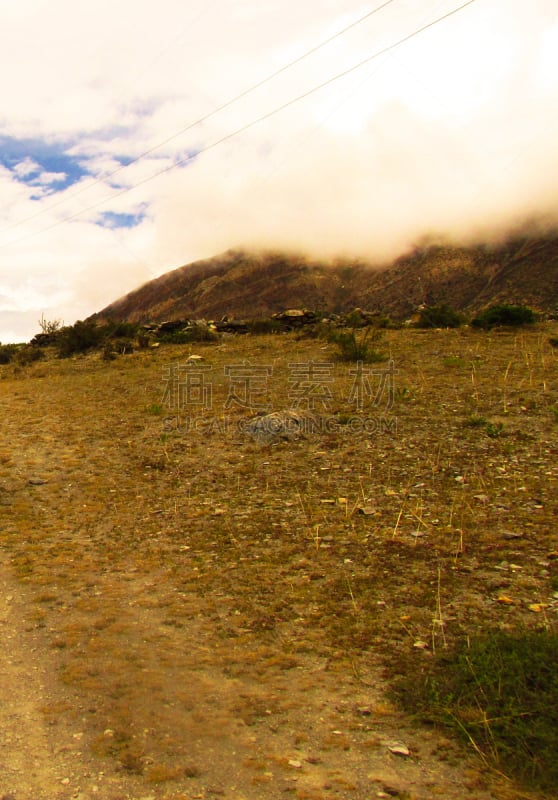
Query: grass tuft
500,694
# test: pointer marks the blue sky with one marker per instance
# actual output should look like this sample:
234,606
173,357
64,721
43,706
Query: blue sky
452,134
40,164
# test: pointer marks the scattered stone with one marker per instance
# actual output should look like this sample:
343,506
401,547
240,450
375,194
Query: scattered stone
37,481
505,600
513,535
279,425
368,511
295,764
420,645
398,748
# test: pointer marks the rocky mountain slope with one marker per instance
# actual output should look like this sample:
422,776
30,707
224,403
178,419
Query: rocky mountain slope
249,285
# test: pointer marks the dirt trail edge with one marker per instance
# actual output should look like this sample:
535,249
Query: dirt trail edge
28,767
40,760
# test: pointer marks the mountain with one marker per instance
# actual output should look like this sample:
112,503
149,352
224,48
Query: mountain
244,285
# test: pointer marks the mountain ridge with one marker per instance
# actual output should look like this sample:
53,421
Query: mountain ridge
247,284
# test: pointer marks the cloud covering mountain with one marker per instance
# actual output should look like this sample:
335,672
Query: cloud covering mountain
450,134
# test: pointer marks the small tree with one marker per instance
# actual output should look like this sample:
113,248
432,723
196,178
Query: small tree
50,326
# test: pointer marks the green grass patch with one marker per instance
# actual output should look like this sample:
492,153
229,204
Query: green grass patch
500,694
353,348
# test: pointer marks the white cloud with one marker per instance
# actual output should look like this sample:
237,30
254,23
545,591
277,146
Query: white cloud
453,132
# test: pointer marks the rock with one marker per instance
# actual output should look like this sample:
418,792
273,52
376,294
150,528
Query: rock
368,511
37,481
513,535
279,425
397,748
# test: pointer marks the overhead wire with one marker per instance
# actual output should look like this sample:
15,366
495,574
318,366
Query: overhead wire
256,121
244,93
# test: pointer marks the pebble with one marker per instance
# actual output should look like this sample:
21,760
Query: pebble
397,748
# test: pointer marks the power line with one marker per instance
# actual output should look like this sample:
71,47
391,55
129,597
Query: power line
258,120
201,120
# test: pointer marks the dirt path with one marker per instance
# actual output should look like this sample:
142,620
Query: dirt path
29,767
327,732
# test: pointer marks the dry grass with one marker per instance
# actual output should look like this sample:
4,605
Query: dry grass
187,579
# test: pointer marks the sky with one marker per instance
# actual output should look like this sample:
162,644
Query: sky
138,136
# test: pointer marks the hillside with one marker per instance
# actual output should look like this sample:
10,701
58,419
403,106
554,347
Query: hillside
249,285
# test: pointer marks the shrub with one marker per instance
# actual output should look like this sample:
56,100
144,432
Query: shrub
79,338
262,326
48,327
195,333
508,315
499,693
439,317
28,355
352,349
7,353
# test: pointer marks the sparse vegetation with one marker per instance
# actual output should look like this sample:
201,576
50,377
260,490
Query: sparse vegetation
500,693
353,348
190,584
194,333
7,353
441,316
504,315
78,338
49,327
263,325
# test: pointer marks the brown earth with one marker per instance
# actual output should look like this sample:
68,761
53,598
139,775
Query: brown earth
188,613
523,270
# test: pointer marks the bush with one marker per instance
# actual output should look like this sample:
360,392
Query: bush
28,355
508,315
19,354
439,317
263,326
352,349
7,353
79,338
195,333
499,693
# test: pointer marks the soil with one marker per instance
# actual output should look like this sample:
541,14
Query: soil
191,613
